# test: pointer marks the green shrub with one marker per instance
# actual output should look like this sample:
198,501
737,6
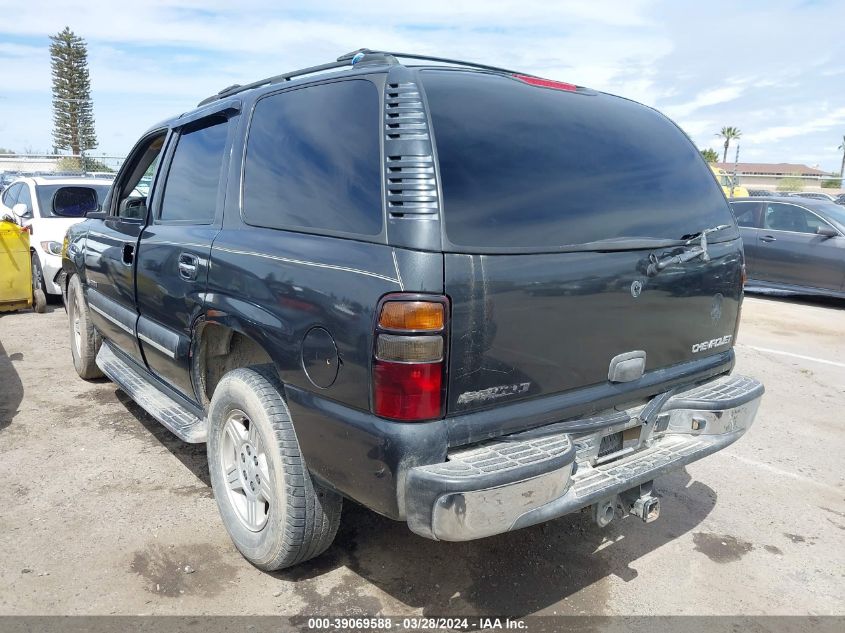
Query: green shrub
831,183
792,183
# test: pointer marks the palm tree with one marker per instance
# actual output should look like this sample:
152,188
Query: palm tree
842,168
710,155
729,134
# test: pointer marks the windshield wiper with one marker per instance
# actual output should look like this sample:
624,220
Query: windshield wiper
656,264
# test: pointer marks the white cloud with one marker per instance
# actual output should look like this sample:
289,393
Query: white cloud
710,97
154,59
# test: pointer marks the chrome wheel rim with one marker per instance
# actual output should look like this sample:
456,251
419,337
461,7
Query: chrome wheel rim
76,326
243,461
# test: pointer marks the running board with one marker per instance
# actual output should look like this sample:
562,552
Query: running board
178,420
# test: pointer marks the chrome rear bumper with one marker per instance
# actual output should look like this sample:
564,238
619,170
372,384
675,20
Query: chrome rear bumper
528,478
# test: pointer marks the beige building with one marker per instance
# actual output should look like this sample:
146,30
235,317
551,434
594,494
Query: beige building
768,175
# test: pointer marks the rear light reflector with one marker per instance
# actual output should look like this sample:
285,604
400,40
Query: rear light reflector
409,349
414,316
547,83
405,391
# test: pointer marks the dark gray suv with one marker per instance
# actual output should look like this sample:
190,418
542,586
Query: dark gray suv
470,299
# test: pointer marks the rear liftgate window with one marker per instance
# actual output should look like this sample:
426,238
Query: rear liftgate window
313,160
536,168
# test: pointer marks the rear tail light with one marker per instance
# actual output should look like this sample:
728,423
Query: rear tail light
411,316
409,360
547,83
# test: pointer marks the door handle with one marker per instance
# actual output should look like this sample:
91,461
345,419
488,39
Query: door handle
188,266
768,238
128,254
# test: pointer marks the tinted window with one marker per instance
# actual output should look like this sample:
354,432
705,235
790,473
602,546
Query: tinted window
313,160
76,200
530,167
788,217
746,213
190,193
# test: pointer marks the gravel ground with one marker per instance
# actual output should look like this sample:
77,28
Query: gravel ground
102,511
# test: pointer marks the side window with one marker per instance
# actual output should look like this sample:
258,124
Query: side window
25,197
788,217
134,187
10,196
193,180
746,213
313,160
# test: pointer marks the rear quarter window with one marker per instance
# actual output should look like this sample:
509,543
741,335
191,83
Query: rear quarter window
313,160
536,168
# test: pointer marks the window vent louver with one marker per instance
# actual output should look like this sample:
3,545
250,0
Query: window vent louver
410,179
404,118
411,187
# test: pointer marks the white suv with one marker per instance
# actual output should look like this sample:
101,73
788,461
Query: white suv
49,205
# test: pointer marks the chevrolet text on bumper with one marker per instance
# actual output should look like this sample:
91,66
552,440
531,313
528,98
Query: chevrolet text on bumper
607,462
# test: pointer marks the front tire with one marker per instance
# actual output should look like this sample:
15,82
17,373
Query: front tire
275,514
85,341
37,274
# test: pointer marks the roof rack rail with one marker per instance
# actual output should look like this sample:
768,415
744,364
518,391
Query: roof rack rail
430,58
349,59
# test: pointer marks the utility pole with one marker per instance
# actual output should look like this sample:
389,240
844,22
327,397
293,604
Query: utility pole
736,166
78,130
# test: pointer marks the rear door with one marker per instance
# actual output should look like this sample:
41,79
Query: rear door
792,253
747,214
555,203
111,243
174,248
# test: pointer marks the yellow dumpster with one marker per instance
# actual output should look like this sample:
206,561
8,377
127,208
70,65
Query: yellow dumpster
16,270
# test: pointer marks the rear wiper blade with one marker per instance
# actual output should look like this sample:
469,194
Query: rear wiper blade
656,264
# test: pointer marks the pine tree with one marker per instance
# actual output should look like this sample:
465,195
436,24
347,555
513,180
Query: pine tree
73,111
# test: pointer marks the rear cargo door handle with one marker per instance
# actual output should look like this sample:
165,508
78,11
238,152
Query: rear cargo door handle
188,266
768,238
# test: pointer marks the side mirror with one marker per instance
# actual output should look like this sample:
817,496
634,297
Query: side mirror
20,210
74,202
826,231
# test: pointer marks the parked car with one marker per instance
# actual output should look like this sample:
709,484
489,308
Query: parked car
532,316
793,245
840,199
813,195
49,206
757,193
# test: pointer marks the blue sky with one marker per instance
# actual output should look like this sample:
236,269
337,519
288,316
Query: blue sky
774,69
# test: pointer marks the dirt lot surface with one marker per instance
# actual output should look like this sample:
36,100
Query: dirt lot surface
103,511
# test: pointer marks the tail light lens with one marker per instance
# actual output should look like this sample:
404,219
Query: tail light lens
409,361
547,83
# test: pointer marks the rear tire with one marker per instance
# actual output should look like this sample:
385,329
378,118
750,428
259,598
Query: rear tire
85,341
39,301
275,514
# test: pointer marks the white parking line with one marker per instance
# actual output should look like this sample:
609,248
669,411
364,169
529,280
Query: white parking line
791,355
786,473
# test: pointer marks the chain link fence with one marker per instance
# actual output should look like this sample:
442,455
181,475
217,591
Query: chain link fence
88,164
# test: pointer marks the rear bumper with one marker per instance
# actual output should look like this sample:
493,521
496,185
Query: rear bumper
528,478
